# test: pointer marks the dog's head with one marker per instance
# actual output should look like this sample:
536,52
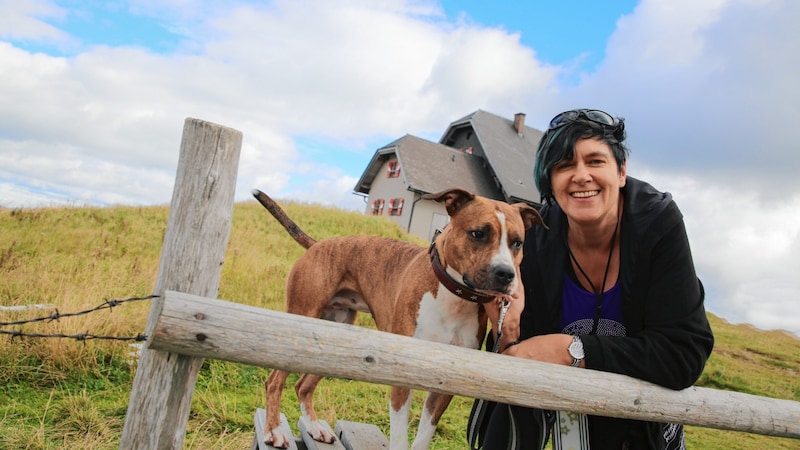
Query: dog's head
482,244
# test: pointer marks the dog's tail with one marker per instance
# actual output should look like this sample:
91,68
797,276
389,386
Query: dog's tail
294,231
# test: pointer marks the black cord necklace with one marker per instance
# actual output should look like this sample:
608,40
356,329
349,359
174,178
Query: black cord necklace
599,308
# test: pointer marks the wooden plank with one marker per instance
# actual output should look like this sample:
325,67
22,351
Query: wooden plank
360,436
311,444
245,334
260,421
196,237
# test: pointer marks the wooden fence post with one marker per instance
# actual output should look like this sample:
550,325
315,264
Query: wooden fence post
197,233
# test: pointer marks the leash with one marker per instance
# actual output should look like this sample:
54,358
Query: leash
482,409
504,305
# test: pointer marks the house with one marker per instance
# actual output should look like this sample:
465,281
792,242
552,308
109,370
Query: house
484,153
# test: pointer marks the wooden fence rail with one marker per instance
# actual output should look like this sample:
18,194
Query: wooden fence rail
205,327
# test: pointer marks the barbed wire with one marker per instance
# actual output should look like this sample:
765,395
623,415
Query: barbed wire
107,304
78,337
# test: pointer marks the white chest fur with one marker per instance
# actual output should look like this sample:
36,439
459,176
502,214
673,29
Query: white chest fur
448,320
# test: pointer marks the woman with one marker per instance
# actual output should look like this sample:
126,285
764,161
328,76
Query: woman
610,286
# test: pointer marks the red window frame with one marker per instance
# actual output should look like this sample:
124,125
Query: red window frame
396,206
393,170
377,207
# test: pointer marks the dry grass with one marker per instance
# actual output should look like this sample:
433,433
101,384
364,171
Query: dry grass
57,393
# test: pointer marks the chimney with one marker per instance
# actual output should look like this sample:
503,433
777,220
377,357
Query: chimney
519,122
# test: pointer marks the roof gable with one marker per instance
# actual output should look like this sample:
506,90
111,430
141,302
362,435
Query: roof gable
493,159
430,167
510,155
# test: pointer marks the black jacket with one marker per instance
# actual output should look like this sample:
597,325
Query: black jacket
668,335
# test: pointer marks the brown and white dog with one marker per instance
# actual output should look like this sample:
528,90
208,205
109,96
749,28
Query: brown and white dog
433,294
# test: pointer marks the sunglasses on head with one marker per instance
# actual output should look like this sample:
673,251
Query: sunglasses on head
592,115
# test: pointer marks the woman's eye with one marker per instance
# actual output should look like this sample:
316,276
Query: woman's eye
563,165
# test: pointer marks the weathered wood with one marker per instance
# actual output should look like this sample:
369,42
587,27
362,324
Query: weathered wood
350,435
195,241
311,444
260,420
360,436
206,327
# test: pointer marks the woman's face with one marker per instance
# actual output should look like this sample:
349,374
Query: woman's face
587,188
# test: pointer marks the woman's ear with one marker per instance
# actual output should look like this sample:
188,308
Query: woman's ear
623,174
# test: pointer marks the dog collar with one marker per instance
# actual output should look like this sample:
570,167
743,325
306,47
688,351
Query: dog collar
452,285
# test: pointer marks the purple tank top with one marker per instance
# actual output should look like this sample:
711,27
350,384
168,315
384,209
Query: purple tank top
579,308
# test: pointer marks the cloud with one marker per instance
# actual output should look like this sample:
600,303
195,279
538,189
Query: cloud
355,73
709,93
26,21
745,251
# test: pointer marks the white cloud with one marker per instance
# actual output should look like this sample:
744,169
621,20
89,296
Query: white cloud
709,93
290,69
25,20
747,249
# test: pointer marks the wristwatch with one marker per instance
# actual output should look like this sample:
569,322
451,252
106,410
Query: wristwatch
575,350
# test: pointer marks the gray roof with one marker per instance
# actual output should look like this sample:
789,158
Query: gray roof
427,167
510,155
506,173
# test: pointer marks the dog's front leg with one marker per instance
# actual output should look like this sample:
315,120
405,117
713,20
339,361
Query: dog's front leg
399,406
435,405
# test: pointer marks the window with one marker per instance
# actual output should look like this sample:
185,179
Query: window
396,206
394,169
377,207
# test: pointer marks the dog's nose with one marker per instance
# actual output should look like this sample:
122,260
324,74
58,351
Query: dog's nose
504,274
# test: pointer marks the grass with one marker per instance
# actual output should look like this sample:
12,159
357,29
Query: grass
59,393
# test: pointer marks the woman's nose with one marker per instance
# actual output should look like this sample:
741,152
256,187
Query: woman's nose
582,174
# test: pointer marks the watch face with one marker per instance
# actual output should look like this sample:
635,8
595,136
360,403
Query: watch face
576,349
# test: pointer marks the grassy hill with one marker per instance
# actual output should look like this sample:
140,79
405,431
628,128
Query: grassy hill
65,394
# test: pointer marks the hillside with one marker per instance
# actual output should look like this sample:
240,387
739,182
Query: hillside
61,393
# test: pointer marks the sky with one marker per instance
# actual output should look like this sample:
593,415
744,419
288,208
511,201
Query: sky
94,94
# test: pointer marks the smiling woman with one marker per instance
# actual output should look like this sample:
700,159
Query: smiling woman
611,286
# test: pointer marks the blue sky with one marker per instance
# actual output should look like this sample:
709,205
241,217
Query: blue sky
93,96
560,32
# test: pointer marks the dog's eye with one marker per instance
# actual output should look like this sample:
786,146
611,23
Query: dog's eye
516,245
477,234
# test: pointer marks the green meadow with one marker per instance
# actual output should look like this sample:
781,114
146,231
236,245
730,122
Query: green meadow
58,393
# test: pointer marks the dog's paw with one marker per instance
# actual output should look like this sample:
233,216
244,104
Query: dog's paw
319,433
276,438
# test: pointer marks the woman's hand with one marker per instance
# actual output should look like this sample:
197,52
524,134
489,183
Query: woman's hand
550,348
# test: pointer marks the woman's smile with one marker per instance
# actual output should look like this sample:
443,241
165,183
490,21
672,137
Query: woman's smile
585,194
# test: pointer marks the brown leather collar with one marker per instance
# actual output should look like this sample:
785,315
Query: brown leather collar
452,285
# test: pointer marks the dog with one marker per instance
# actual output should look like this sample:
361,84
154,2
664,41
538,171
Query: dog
436,294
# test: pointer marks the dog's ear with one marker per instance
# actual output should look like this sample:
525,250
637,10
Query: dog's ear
530,216
453,198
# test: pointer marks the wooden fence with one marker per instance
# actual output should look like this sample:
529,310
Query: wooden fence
187,323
